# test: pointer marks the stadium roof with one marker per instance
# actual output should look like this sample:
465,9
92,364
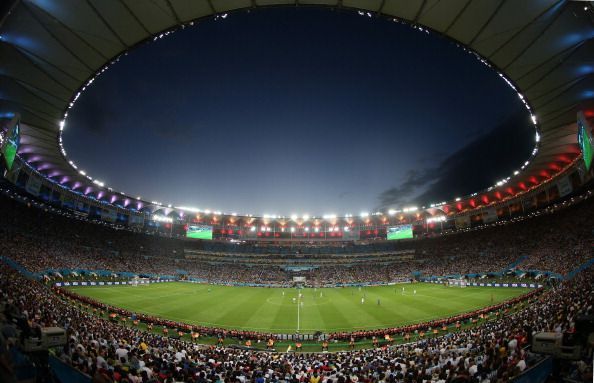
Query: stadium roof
51,49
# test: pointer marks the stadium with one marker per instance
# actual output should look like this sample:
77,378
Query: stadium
102,286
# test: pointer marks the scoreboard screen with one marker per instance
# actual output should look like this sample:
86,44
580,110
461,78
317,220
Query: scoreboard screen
399,232
585,139
199,232
11,142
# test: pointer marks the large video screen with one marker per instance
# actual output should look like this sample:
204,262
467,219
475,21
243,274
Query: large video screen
585,140
199,232
11,143
399,232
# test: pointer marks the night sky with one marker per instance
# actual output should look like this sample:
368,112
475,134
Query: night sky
284,111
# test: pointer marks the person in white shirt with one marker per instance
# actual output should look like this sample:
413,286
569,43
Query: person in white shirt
122,352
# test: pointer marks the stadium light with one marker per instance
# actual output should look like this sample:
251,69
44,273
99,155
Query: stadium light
391,212
441,218
190,209
253,228
294,217
292,229
364,214
305,217
161,218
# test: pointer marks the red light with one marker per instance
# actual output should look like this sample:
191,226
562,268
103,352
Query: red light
472,203
485,199
459,206
259,234
522,185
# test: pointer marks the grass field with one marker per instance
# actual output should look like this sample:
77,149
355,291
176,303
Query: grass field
282,310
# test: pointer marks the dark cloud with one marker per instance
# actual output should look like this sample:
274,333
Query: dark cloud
344,194
491,156
415,180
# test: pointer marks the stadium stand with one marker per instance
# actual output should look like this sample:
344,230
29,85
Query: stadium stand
553,243
558,239
110,352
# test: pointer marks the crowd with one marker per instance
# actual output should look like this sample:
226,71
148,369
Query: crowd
42,241
491,352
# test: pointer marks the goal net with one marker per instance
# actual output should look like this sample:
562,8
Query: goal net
456,282
139,281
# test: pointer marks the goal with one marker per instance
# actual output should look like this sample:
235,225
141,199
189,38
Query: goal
451,282
139,282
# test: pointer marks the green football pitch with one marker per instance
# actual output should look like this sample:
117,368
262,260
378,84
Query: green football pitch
279,310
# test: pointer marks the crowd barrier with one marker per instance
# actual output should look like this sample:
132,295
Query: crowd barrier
140,282
479,284
107,283
291,285
538,373
65,373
